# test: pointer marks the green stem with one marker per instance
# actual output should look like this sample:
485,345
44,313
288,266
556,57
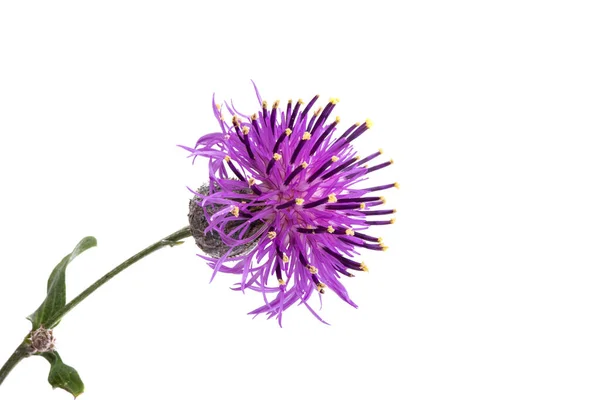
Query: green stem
16,357
171,240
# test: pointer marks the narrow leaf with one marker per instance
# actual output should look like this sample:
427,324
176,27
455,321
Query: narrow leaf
62,376
56,297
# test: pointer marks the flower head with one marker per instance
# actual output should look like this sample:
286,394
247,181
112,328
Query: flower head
282,200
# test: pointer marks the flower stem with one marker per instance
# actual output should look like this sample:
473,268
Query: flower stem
171,240
20,353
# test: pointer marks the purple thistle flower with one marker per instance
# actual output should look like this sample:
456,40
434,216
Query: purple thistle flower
282,201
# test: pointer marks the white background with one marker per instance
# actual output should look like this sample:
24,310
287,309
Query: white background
490,288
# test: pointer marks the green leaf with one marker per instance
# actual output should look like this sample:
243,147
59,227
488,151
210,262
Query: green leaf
56,297
62,376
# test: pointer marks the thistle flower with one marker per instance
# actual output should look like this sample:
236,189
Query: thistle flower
282,200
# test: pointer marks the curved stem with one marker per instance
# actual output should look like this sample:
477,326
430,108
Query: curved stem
16,357
171,240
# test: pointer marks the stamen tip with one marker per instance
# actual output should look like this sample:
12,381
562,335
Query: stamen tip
331,198
396,185
277,156
304,165
288,131
299,201
330,229
227,159
369,123
334,158
235,211
272,234
306,136
321,287
363,267
349,232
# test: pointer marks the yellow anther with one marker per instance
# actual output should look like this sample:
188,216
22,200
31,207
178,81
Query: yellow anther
227,158
235,121
357,124
382,199
334,100
380,151
321,287
245,130
331,198
337,120
288,131
290,101
318,111
356,158
330,229
384,248
379,240
272,234
392,220
254,116
277,156
334,158
396,185
306,136
304,164
236,211
300,101
312,269
362,206
251,181
299,201
281,282
264,104
276,104
391,161
349,232
219,107
285,258
364,267
369,123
